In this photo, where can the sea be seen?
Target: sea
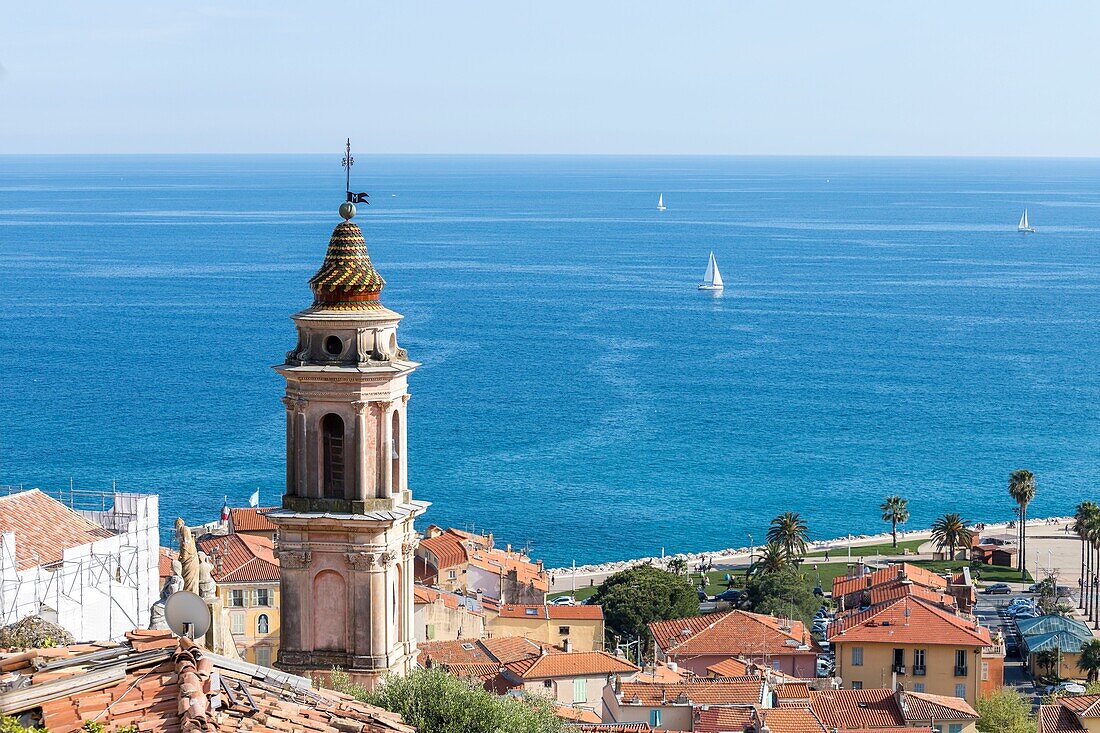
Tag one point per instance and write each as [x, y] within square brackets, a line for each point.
[884, 329]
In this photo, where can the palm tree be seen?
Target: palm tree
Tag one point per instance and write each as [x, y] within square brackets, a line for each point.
[1021, 487]
[1089, 660]
[1047, 659]
[773, 558]
[1085, 518]
[789, 531]
[895, 510]
[951, 530]
[677, 566]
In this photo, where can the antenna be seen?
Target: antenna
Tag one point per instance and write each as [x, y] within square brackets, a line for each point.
[187, 614]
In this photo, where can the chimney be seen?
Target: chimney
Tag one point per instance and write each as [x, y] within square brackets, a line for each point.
[538, 563]
[673, 666]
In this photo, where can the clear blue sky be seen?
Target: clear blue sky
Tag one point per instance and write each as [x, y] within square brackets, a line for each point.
[921, 78]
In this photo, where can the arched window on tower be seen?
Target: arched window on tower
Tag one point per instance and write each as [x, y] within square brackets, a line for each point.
[332, 456]
[395, 445]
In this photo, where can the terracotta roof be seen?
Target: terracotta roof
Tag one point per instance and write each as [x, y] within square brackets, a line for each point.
[778, 720]
[724, 691]
[910, 620]
[576, 715]
[1058, 718]
[448, 550]
[924, 706]
[855, 709]
[552, 612]
[733, 633]
[729, 668]
[164, 562]
[162, 683]
[662, 673]
[250, 519]
[616, 728]
[843, 586]
[892, 591]
[347, 280]
[512, 648]
[44, 528]
[241, 558]
[570, 664]
[724, 719]
[497, 652]
[786, 692]
[502, 562]
[1087, 706]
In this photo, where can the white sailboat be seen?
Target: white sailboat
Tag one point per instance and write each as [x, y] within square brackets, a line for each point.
[713, 279]
[661, 202]
[1024, 226]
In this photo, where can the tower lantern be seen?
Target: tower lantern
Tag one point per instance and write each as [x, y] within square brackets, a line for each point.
[345, 528]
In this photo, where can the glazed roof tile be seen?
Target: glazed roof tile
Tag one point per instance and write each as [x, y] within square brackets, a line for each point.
[347, 280]
[909, 620]
[44, 528]
[733, 633]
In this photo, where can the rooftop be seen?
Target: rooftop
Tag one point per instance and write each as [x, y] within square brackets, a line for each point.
[843, 586]
[552, 612]
[44, 528]
[570, 664]
[241, 558]
[163, 683]
[724, 691]
[250, 519]
[733, 633]
[778, 720]
[909, 620]
[347, 280]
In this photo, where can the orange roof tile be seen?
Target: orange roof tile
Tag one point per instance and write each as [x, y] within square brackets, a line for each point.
[699, 691]
[899, 589]
[855, 709]
[1058, 718]
[44, 528]
[729, 668]
[843, 586]
[570, 664]
[552, 612]
[786, 692]
[250, 519]
[1087, 706]
[736, 720]
[448, 549]
[576, 715]
[423, 594]
[733, 633]
[241, 558]
[925, 706]
[911, 620]
[662, 673]
[501, 562]
[164, 562]
[724, 719]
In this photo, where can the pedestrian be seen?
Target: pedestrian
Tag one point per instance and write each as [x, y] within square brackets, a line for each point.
[826, 556]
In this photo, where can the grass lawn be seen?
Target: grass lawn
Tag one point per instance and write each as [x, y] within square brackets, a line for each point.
[989, 573]
[869, 551]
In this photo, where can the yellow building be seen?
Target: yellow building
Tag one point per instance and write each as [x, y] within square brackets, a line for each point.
[925, 646]
[580, 628]
[247, 574]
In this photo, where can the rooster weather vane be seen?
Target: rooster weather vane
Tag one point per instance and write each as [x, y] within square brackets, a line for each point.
[348, 162]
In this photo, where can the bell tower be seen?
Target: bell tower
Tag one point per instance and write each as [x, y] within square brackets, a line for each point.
[345, 528]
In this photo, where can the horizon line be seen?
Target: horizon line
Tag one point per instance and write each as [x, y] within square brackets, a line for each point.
[930, 156]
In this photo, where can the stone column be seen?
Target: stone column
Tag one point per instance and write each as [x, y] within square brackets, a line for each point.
[361, 565]
[385, 485]
[378, 605]
[291, 449]
[300, 449]
[404, 442]
[361, 448]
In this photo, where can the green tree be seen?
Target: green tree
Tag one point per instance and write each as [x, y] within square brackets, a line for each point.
[1021, 487]
[895, 510]
[789, 530]
[1004, 711]
[773, 558]
[1086, 522]
[434, 701]
[632, 599]
[950, 531]
[781, 593]
[677, 566]
[1089, 661]
[1047, 660]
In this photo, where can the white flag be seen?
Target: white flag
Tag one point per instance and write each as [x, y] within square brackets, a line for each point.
[254, 500]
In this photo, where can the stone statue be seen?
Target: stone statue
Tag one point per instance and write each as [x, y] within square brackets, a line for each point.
[172, 584]
[207, 587]
[189, 557]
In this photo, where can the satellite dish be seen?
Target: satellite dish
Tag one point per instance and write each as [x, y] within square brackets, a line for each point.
[187, 614]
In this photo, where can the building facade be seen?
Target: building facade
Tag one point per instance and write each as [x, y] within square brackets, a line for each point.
[345, 527]
[579, 628]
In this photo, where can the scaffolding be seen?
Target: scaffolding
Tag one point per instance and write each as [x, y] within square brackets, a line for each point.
[98, 590]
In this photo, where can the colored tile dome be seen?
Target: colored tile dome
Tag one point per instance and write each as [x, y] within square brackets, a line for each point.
[347, 280]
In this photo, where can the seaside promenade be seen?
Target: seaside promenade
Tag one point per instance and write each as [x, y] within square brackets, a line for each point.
[1050, 547]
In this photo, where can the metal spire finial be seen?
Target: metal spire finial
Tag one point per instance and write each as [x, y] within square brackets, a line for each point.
[347, 209]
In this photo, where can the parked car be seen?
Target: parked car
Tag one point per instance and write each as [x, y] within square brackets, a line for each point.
[1025, 615]
[563, 601]
[730, 596]
[703, 597]
[997, 589]
[825, 667]
[1069, 688]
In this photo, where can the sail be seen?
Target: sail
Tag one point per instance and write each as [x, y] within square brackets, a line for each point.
[1023, 221]
[661, 201]
[715, 278]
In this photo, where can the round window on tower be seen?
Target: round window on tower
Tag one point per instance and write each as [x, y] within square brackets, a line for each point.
[334, 346]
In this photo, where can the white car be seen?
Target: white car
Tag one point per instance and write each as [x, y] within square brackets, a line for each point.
[1070, 688]
[563, 601]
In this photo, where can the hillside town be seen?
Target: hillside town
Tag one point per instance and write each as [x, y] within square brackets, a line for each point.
[319, 608]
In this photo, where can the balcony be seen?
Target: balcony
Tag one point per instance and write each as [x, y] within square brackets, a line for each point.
[961, 671]
[919, 671]
[899, 668]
